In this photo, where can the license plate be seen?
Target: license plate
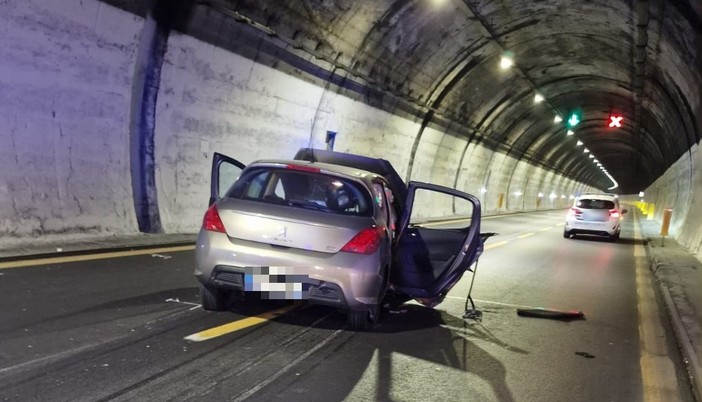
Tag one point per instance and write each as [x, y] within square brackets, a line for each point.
[274, 284]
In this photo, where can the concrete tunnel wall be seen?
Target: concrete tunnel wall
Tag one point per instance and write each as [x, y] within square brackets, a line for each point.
[680, 189]
[66, 73]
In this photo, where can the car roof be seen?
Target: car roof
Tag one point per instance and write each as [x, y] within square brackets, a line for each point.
[598, 196]
[343, 170]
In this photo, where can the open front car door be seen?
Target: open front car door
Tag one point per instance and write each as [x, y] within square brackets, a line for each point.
[225, 171]
[439, 240]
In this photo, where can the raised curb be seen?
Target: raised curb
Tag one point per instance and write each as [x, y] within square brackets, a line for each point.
[688, 352]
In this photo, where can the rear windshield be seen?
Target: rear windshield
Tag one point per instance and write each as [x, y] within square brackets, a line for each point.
[298, 189]
[587, 203]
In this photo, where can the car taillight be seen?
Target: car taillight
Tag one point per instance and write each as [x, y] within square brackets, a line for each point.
[212, 221]
[613, 213]
[575, 211]
[366, 241]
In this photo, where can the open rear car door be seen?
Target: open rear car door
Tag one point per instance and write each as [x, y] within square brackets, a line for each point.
[439, 240]
[225, 171]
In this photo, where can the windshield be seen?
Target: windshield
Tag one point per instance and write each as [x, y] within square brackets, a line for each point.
[307, 190]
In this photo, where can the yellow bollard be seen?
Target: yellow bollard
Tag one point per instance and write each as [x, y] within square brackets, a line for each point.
[500, 200]
[651, 210]
[667, 215]
[665, 226]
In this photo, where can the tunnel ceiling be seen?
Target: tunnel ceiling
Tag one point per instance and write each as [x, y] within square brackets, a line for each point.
[637, 59]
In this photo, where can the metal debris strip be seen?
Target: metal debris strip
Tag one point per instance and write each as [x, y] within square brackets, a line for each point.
[585, 355]
[551, 314]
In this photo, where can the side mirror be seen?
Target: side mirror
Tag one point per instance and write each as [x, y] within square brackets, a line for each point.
[624, 211]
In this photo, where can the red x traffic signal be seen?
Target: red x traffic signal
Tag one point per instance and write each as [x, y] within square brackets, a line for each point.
[615, 120]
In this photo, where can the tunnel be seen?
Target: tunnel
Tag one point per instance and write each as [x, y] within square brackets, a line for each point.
[113, 111]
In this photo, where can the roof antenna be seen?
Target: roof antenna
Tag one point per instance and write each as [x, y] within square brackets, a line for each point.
[310, 145]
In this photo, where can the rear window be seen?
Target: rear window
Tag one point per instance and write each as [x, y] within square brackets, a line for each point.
[299, 189]
[588, 203]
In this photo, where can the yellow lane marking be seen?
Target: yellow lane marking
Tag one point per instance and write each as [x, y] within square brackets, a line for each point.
[657, 370]
[495, 245]
[525, 235]
[560, 225]
[238, 325]
[544, 229]
[90, 257]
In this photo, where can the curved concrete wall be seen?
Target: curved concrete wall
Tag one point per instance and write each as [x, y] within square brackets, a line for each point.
[66, 69]
[680, 189]
[66, 77]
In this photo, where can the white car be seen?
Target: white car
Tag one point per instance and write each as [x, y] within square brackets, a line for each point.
[594, 214]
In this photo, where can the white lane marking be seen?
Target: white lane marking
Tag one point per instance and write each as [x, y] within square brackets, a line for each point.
[165, 257]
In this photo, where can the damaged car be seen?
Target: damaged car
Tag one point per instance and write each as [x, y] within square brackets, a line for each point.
[334, 229]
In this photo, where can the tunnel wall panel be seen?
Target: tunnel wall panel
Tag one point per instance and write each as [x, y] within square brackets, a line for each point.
[65, 87]
[680, 189]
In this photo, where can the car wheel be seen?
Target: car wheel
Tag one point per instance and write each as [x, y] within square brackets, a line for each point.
[361, 320]
[614, 237]
[566, 234]
[212, 299]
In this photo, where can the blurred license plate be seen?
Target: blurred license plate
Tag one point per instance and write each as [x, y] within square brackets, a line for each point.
[277, 285]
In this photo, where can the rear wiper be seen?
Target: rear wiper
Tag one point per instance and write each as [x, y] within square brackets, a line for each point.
[307, 204]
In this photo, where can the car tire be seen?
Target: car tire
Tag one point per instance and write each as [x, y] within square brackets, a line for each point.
[614, 238]
[566, 234]
[360, 320]
[212, 299]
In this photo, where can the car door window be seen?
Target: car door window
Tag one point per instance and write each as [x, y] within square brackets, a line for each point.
[225, 171]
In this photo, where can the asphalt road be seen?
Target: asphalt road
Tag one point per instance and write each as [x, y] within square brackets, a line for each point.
[116, 329]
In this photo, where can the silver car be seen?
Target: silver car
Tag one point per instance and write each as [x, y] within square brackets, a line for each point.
[331, 228]
[594, 214]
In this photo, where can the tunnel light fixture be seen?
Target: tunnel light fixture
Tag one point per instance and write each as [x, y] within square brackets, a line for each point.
[507, 60]
[541, 195]
[570, 132]
[483, 190]
[641, 194]
[517, 193]
[587, 151]
[538, 98]
[596, 161]
[579, 143]
[572, 197]
[552, 196]
[562, 196]
[557, 119]
[591, 156]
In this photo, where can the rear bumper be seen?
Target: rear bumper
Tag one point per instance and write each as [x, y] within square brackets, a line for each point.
[344, 280]
[592, 228]
[313, 290]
